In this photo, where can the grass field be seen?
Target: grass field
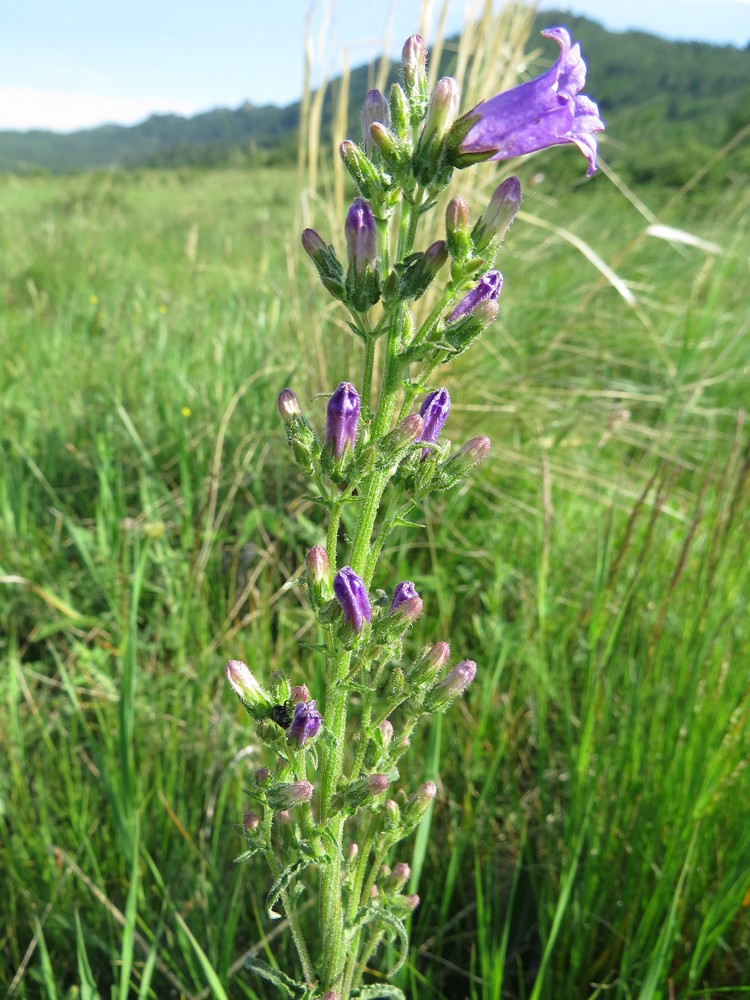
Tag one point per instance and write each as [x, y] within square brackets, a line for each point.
[590, 836]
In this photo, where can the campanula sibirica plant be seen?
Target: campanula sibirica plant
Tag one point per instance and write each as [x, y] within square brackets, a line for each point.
[336, 798]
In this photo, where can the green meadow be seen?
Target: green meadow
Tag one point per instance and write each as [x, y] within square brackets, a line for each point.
[590, 837]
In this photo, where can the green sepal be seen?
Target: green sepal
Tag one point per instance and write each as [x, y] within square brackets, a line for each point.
[375, 914]
[383, 991]
[290, 987]
[282, 883]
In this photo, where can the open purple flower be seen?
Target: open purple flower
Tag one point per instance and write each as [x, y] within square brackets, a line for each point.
[351, 594]
[547, 111]
[487, 288]
[305, 724]
[343, 416]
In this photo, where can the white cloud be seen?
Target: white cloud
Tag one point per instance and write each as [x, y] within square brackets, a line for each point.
[66, 111]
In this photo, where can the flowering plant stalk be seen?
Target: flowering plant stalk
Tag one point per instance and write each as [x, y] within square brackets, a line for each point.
[327, 814]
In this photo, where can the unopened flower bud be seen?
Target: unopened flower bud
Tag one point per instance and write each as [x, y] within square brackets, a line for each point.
[399, 439]
[374, 892]
[385, 730]
[417, 805]
[300, 436]
[318, 575]
[394, 152]
[499, 214]
[248, 690]
[286, 796]
[262, 776]
[434, 412]
[330, 995]
[414, 68]
[392, 815]
[398, 878]
[403, 592]
[351, 594]
[284, 817]
[326, 262]
[364, 789]
[375, 109]
[407, 610]
[300, 692]
[362, 282]
[352, 851]
[429, 665]
[417, 275]
[459, 466]
[400, 111]
[457, 231]
[454, 685]
[342, 419]
[251, 822]
[413, 901]
[430, 158]
[364, 174]
[305, 724]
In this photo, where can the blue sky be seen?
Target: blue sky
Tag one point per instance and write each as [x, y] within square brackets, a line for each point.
[67, 64]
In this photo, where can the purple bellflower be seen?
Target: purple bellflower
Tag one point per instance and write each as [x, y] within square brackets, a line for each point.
[546, 111]
[359, 230]
[487, 289]
[434, 412]
[351, 594]
[343, 416]
[305, 724]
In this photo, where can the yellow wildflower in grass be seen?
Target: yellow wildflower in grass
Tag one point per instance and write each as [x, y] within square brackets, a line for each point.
[186, 411]
[94, 300]
[163, 309]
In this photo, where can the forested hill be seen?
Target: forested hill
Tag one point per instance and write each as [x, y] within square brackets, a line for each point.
[668, 105]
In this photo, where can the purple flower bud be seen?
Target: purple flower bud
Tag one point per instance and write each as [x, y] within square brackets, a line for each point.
[403, 592]
[546, 111]
[499, 214]
[429, 665]
[452, 687]
[359, 230]
[413, 901]
[488, 287]
[285, 796]
[247, 689]
[288, 405]
[414, 62]
[305, 724]
[374, 109]
[459, 466]
[299, 693]
[404, 434]
[262, 775]
[434, 412]
[376, 784]
[316, 561]
[343, 416]
[425, 793]
[284, 817]
[352, 851]
[314, 245]
[386, 733]
[417, 805]
[397, 879]
[351, 594]
[457, 216]
[330, 995]
[250, 821]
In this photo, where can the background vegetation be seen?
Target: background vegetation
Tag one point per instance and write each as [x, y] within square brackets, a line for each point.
[590, 835]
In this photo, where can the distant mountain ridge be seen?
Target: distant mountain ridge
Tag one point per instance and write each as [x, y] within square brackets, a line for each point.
[656, 95]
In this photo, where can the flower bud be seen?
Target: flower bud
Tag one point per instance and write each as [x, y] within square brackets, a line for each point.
[499, 214]
[400, 111]
[286, 796]
[403, 592]
[398, 878]
[262, 776]
[364, 174]
[359, 230]
[352, 851]
[416, 276]
[434, 412]
[392, 816]
[406, 604]
[414, 68]
[284, 817]
[342, 419]
[488, 288]
[385, 731]
[248, 690]
[417, 805]
[454, 685]
[362, 790]
[399, 439]
[430, 158]
[351, 594]
[375, 109]
[330, 995]
[251, 822]
[459, 466]
[318, 575]
[300, 692]
[458, 236]
[300, 436]
[429, 665]
[326, 262]
[305, 724]
[395, 152]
